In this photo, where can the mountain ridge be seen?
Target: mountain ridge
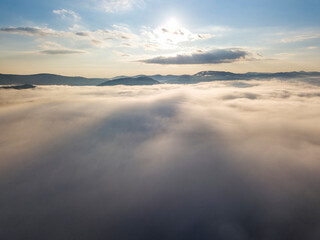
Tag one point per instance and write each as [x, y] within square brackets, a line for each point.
[203, 76]
[131, 81]
[49, 79]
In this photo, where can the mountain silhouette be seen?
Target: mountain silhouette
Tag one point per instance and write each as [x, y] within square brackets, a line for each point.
[131, 81]
[48, 79]
[204, 76]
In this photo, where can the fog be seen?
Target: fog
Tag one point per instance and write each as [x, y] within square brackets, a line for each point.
[223, 160]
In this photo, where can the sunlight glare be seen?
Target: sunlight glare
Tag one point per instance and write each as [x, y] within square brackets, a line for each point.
[172, 24]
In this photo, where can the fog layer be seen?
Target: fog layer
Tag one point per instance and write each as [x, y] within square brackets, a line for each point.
[228, 160]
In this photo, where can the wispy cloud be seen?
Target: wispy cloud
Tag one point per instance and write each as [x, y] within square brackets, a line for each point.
[53, 48]
[211, 57]
[170, 36]
[64, 13]
[115, 6]
[163, 37]
[94, 38]
[120, 32]
[300, 36]
[62, 51]
[33, 31]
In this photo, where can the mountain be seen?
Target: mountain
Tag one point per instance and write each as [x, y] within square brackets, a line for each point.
[131, 81]
[204, 76]
[208, 76]
[49, 79]
[185, 79]
[164, 78]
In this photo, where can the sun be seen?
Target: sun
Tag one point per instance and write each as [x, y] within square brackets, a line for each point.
[171, 33]
[172, 24]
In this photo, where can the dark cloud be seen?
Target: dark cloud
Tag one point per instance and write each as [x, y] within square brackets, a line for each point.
[178, 32]
[62, 52]
[126, 44]
[165, 30]
[124, 37]
[82, 34]
[160, 162]
[201, 36]
[212, 57]
[308, 95]
[251, 96]
[33, 31]
[241, 84]
[96, 42]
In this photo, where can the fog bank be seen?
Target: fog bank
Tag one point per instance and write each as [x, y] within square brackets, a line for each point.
[227, 160]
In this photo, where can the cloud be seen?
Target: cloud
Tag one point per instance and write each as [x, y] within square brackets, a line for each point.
[53, 48]
[33, 31]
[94, 38]
[115, 6]
[83, 34]
[67, 14]
[251, 96]
[50, 45]
[211, 57]
[167, 161]
[117, 36]
[120, 32]
[169, 36]
[300, 38]
[62, 51]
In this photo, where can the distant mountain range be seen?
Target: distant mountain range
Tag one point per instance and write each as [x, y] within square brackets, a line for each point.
[205, 76]
[144, 80]
[208, 76]
[49, 79]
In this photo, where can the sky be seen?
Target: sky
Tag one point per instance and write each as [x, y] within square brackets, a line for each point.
[107, 38]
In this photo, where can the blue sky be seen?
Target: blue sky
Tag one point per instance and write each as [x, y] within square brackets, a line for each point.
[105, 38]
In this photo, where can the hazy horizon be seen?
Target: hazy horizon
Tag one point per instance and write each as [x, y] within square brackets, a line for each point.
[141, 74]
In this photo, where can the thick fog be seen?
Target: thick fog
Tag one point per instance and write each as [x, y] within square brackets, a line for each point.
[225, 160]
